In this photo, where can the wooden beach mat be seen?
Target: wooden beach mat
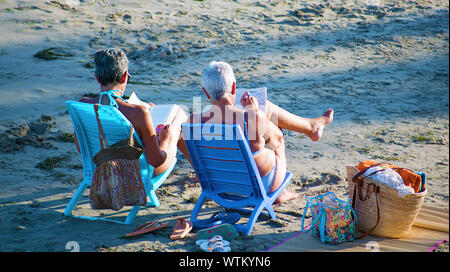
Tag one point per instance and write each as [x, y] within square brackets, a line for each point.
[431, 226]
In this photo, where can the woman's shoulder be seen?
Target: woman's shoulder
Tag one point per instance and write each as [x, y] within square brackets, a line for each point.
[90, 100]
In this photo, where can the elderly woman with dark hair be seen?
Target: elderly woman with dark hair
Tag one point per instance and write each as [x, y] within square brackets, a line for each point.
[111, 72]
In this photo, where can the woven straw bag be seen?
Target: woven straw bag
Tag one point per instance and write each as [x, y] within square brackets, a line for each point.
[379, 208]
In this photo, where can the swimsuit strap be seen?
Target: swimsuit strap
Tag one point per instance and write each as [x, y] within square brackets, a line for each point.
[111, 95]
[246, 134]
[245, 126]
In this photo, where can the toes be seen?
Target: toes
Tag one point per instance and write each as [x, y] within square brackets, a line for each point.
[329, 112]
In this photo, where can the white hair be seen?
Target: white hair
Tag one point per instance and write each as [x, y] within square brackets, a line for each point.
[218, 79]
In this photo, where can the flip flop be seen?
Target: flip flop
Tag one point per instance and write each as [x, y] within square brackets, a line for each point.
[215, 244]
[217, 218]
[227, 231]
[212, 240]
[180, 229]
[147, 227]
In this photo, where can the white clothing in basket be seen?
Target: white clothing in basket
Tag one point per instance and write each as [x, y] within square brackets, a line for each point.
[390, 178]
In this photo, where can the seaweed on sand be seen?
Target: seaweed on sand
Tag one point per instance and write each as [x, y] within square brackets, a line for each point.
[53, 53]
[51, 162]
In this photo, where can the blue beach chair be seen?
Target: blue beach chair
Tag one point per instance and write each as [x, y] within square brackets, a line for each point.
[116, 127]
[227, 171]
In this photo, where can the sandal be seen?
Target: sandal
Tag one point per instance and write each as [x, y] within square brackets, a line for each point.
[180, 229]
[227, 231]
[213, 240]
[215, 244]
[147, 227]
[217, 218]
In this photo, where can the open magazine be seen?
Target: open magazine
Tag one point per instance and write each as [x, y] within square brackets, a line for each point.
[259, 93]
[161, 114]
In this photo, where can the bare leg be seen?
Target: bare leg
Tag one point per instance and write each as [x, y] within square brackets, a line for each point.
[183, 148]
[175, 134]
[280, 174]
[312, 127]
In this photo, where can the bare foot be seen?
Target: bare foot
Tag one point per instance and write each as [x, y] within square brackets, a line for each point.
[286, 196]
[320, 123]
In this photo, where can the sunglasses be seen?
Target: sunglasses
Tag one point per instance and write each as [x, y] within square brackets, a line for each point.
[128, 77]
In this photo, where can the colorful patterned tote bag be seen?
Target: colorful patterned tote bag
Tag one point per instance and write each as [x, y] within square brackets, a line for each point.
[333, 220]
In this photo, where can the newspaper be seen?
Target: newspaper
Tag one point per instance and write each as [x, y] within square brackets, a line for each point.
[259, 93]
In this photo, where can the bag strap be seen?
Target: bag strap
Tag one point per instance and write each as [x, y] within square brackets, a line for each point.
[376, 189]
[131, 139]
[319, 215]
[360, 173]
[303, 218]
[101, 133]
[353, 213]
[323, 217]
[359, 181]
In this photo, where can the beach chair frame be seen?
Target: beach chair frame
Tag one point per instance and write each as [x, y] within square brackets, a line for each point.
[116, 127]
[227, 172]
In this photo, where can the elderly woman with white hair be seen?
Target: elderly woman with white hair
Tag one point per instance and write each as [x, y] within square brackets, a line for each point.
[262, 129]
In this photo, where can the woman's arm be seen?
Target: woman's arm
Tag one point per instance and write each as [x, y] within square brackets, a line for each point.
[261, 131]
[155, 151]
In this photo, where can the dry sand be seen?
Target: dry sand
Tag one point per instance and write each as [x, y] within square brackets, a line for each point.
[384, 69]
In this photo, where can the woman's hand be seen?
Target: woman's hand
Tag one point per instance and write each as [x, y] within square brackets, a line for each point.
[248, 101]
[163, 134]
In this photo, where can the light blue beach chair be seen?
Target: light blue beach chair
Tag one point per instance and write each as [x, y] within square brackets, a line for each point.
[116, 127]
[227, 171]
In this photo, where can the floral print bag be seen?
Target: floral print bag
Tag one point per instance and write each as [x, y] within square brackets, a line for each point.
[333, 220]
[117, 180]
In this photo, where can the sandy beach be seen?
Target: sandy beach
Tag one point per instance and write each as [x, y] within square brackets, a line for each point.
[383, 66]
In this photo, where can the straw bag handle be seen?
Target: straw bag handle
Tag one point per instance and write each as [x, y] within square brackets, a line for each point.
[376, 189]
[357, 176]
